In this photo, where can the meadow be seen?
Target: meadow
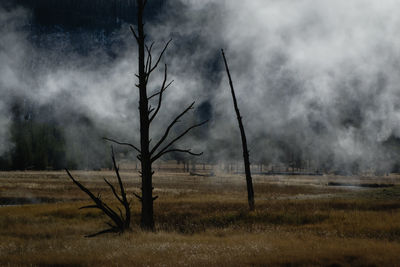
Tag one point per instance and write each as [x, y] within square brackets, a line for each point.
[299, 221]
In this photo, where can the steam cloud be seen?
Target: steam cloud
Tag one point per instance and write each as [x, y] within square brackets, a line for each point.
[317, 78]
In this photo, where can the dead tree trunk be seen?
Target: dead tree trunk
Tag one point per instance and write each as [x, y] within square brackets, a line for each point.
[146, 154]
[147, 221]
[249, 182]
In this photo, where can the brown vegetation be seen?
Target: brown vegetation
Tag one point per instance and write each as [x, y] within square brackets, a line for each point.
[203, 220]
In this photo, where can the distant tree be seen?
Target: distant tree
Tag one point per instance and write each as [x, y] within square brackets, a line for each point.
[249, 181]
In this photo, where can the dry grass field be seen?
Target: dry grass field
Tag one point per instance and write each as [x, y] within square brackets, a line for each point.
[299, 221]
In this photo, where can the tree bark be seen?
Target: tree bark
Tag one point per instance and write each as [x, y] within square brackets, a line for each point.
[249, 181]
[147, 220]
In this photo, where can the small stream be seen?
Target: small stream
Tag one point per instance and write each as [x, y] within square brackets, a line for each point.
[361, 185]
[17, 201]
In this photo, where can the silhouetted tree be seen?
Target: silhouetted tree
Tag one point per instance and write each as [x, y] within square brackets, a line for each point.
[147, 154]
[249, 182]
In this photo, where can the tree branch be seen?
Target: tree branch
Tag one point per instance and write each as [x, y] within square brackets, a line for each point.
[134, 33]
[138, 197]
[123, 144]
[152, 68]
[111, 230]
[114, 191]
[176, 139]
[148, 61]
[170, 127]
[89, 207]
[99, 203]
[163, 88]
[177, 150]
[124, 201]
[121, 223]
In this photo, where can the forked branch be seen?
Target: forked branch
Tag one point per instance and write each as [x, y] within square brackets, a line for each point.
[149, 67]
[149, 59]
[152, 68]
[160, 93]
[167, 150]
[166, 133]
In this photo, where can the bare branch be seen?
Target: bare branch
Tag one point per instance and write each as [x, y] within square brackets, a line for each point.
[99, 203]
[160, 94]
[177, 138]
[120, 212]
[165, 88]
[170, 127]
[149, 59]
[110, 224]
[122, 143]
[89, 207]
[139, 197]
[134, 33]
[159, 58]
[124, 200]
[177, 150]
[149, 48]
[111, 230]
[113, 190]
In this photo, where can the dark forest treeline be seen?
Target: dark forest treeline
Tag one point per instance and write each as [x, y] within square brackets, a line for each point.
[87, 13]
[34, 144]
[38, 142]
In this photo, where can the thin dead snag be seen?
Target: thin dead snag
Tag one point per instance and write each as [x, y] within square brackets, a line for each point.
[249, 181]
[147, 154]
[120, 222]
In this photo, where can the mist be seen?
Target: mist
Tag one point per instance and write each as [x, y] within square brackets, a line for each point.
[314, 79]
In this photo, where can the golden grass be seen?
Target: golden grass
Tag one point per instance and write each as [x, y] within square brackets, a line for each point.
[202, 221]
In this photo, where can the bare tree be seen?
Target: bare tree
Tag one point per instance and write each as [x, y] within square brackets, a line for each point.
[120, 222]
[147, 154]
[249, 181]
